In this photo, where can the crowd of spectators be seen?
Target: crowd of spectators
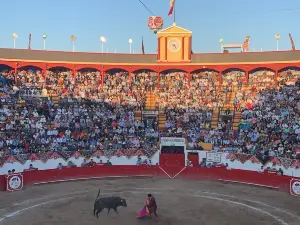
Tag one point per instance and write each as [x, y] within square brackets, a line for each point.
[269, 126]
[93, 112]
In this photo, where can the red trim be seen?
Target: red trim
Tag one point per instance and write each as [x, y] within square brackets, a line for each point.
[182, 52]
[154, 67]
[166, 49]
[102, 77]
[158, 48]
[190, 48]
[247, 78]
[196, 173]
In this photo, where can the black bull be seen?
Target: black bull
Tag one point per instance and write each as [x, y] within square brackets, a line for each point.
[108, 203]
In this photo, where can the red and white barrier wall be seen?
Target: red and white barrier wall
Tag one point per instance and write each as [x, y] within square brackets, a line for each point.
[195, 173]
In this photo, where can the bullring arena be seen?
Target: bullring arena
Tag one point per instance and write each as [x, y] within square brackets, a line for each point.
[214, 137]
[179, 201]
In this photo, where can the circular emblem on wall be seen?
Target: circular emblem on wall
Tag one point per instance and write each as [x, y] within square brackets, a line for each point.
[296, 187]
[15, 182]
[174, 45]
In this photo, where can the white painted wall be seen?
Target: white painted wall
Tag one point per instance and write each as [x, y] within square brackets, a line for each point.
[248, 165]
[53, 163]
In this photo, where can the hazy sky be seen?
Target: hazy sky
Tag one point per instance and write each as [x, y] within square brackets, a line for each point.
[119, 20]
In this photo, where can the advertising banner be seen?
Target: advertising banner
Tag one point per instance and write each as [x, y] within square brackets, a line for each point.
[212, 157]
[295, 187]
[172, 141]
[14, 182]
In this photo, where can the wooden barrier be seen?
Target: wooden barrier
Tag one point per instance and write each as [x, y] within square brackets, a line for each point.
[193, 173]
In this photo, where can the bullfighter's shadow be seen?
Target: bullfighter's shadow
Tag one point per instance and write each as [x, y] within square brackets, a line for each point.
[146, 218]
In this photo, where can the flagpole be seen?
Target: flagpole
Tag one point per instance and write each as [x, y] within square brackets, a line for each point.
[174, 12]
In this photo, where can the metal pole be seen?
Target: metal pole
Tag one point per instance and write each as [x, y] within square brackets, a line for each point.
[102, 46]
[221, 48]
[277, 44]
[14, 43]
[174, 12]
[44, 44]
[73, 43]
[129, 48]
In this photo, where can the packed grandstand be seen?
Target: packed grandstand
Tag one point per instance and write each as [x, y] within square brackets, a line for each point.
[59, 111]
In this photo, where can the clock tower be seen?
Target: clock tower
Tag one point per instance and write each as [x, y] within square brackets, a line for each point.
[174, 45]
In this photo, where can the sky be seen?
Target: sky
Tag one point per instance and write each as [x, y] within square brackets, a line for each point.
[120, 20]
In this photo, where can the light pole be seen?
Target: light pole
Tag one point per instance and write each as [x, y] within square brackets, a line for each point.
[277, 36]
[102, 40]
[73, 39]
[15, 36]
[130, 43]
[44, 38]
[221, 43]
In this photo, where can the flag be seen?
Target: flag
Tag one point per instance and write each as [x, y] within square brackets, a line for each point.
[29, 42]
[292, 42]
[172, 4]
[143, 48]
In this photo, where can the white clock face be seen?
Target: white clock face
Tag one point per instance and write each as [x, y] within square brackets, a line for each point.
[174, 45]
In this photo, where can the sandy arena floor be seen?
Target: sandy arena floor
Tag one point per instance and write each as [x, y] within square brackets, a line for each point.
[179, 202]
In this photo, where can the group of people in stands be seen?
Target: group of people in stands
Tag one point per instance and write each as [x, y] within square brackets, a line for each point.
[63, 111]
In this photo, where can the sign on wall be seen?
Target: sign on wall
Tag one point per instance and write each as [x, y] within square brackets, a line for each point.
[295, 187]
[172, 141]
[14, 182]
[212, 157]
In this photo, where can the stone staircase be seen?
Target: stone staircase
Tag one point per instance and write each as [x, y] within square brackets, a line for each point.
[55, 99]
[236, 120]
[214, 119]
[151, 100]
[138, 115]
[161, 120]
[229, 101]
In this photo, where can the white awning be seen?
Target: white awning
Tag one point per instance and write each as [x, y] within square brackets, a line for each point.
[232, 46]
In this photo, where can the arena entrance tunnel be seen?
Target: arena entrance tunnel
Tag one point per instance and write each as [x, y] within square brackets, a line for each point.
[160, 171]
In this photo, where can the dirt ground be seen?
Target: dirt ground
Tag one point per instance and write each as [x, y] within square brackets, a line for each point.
[179, 202]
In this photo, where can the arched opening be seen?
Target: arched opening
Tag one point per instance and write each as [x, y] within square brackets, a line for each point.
[205, 79]
[30, 76]
[29, 67]
[116, 79]
[88, 78]
[60, 80]
[288, 75]
[173, 86]
[117, 87]
[5, 68]
[234, 78]
[173, 80]
[144, 79]
[262, 78]
[7, 75]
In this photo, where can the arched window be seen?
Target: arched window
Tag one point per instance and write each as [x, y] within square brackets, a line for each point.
[262, 78]
[30, 76]
[234, 78]
[144, 80]
[288, 75]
